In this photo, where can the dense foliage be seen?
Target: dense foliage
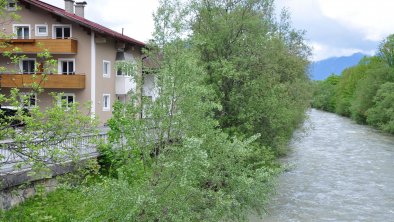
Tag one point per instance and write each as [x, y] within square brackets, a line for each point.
[232, 88]
[324, 94]
[363, 92]
[256, 67]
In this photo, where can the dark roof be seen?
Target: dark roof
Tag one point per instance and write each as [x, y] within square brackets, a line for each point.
[82, 21]
[152, 61]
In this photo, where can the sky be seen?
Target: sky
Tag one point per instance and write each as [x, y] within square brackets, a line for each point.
[342, 27]
[333, 27]
[135, 16]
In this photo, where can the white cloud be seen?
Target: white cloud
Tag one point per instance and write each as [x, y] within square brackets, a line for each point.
[334, 27]
[342, 27]
[373, 18]
[301, 10]
[135, 16]
[323, 51]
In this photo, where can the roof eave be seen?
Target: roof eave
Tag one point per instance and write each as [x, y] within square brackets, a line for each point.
[61, 14]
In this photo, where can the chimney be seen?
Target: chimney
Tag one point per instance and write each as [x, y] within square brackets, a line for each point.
[80, 8]
[69, 6]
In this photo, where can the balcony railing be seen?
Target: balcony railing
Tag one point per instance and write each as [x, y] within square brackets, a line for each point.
[124, 84]
[48, 81]
[54, 46]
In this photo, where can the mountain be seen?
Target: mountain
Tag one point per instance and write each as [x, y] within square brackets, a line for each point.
[320, 70]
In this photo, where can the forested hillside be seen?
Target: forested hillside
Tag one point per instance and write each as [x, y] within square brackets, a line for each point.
[364, 92]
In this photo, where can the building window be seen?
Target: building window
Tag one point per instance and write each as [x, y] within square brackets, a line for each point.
[61, 31]
[67, 66]
[119, 72]
[42, 30]
[11, 5]
[22, 31]
[28, 66]
[28, 100]
[122, 98]
[106, 102]
[66, 100]
[106, 69]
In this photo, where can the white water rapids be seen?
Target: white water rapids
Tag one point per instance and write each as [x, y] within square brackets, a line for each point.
[341, 172]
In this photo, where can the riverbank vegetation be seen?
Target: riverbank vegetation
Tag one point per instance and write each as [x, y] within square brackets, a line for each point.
[364, 92]
[232, 87]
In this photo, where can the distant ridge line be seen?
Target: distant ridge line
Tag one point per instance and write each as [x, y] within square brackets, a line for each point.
[320, 70]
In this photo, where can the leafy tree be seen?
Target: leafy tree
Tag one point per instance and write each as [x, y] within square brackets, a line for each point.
[347, 85]
[381, 115]
[256, 66]
[377, 73]
[192, 170]
[386, 50]
[6, 17]
[324, 94]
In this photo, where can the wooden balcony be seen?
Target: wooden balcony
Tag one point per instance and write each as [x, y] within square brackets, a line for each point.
[49, 81]
[55, 46]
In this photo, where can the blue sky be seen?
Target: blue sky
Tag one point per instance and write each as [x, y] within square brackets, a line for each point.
[334, 27]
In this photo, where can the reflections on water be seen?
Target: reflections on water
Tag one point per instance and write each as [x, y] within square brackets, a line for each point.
[342, 172]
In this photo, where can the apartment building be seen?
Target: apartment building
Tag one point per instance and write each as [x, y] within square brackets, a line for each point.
[86, 54]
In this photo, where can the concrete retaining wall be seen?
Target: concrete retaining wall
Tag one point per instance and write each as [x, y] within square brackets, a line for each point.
[15, 187]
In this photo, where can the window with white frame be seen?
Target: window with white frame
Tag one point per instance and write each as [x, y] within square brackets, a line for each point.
[106, 102]
[28, 66]
[41, 30]
[61, 31]
[66, 100]
[28, 100]
[66, 66]
[22, 31]
[106, 69]
[11, 5]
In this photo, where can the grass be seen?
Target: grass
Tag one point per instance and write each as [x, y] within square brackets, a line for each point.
[63, 204]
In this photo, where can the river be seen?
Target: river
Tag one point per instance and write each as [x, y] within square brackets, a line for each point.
[340, 171]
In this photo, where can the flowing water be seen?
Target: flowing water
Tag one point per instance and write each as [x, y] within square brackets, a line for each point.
[341, 172]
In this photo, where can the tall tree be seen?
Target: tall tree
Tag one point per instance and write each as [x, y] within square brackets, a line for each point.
[347, 86]
[191, 171]
[256, 65]
[386, 50]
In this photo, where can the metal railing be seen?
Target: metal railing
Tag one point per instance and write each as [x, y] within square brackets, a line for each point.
[17, 153]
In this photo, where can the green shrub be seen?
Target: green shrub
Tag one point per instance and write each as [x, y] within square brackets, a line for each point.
[324, 94]
[381, 115]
